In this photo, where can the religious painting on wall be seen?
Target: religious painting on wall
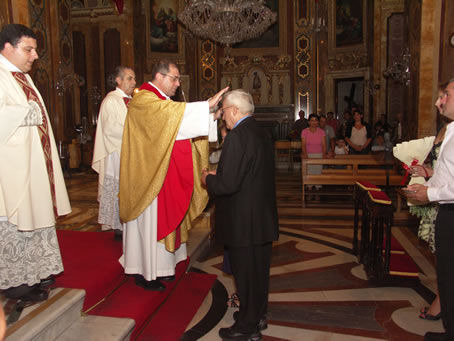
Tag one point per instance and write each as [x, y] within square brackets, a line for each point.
[163, 26]
[273, 39]
[347, 21]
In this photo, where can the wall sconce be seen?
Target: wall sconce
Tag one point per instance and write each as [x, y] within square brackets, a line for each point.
[399, 71]
[370, 87]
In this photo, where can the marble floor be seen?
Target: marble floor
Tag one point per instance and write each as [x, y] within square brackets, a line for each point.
[318, 290]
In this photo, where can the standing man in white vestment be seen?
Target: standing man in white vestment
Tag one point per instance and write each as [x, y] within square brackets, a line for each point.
[160, 188]
[106, 154]
[32, 188]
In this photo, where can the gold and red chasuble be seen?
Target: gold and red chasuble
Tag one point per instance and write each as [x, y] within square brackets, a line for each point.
[43, 132]
[176, 192]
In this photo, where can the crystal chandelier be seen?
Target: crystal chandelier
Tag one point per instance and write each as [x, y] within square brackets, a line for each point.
[66, 79]
[227, 21]
[399, 71]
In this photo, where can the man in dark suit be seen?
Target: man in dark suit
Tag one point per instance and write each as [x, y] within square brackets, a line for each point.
[246, 213]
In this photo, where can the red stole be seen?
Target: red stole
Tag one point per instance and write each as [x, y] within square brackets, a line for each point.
[176, 192]
[43, 133]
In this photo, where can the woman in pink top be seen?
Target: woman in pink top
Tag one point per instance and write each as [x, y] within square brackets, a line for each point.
[313, 143]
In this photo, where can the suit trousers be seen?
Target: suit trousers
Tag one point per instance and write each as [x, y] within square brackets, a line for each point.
[251, 271]
[444, 243]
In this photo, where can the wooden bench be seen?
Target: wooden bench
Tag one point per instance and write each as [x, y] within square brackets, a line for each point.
[370, 168]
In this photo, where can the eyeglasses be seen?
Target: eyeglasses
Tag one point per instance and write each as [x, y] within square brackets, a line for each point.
[223, 109]
[174, 78]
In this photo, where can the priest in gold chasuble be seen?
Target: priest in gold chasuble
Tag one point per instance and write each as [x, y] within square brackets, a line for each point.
[160, 166]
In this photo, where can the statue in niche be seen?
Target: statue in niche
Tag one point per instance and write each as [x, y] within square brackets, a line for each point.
[256, 82]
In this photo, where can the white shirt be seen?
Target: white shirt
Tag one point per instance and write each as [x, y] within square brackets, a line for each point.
[359, 136]
[441, 184]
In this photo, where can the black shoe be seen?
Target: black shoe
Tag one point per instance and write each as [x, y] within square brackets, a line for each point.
[36, 295]
[167, 278]
[47, 281]
[233, 334]
[19, 291]
[149, 285]
[263, 324]
[434, 336]
[118, 235]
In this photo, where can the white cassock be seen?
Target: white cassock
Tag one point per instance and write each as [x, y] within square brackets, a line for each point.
[29, 248]
[106, 157]
[143, 254]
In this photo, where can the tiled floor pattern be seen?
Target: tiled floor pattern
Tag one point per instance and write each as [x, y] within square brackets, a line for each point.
[318, 291]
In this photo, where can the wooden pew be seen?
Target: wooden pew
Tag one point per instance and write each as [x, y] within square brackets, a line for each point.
[357, 168]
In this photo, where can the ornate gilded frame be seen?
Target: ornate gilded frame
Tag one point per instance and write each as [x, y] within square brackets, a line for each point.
[155, 55]
[281, 49]
[332, 43]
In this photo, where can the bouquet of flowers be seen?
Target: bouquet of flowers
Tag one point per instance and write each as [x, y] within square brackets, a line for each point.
[412, 153]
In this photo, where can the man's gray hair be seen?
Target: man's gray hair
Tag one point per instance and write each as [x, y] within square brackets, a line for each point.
[120, 70]
[240, 99]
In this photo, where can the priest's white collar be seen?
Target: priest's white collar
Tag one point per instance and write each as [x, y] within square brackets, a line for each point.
[122, 92]
[163, 94]
[8, 65]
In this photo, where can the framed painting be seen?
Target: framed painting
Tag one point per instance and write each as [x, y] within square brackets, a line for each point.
[347, 29]
[164, 34]
[273, 41]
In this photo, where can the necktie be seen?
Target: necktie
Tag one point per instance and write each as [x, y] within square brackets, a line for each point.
[126, 99]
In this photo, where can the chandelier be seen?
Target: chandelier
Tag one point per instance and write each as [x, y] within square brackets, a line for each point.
[227, 21]
[399, 71]
[66, 79]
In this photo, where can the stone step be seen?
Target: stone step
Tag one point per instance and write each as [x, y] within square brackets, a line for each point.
[99, 328]
[60, 318]
[49, 319]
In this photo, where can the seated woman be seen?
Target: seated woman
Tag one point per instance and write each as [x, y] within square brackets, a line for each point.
[358, 136]
[313, 143]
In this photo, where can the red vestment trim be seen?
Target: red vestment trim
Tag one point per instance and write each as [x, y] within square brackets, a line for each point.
[43, 131]
[176, 192]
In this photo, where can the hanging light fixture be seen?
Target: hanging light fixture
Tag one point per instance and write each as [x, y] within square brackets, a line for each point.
[227, 21]
[399, 71]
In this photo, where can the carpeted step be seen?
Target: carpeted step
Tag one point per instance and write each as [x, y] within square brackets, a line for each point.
[395, 246]
[171, 320]
[136, 303]
[90, 261]
[403, 265]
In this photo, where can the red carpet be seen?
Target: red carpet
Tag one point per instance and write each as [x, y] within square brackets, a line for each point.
[91, 263]
[172, 319]
[400, 263]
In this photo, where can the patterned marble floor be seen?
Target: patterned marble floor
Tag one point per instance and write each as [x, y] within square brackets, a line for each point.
[318, 291]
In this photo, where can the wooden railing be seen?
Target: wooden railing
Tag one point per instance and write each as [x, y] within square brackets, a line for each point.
[350, 168]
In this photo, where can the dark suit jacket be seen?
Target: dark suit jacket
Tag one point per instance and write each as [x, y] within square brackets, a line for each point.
[244, 189]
